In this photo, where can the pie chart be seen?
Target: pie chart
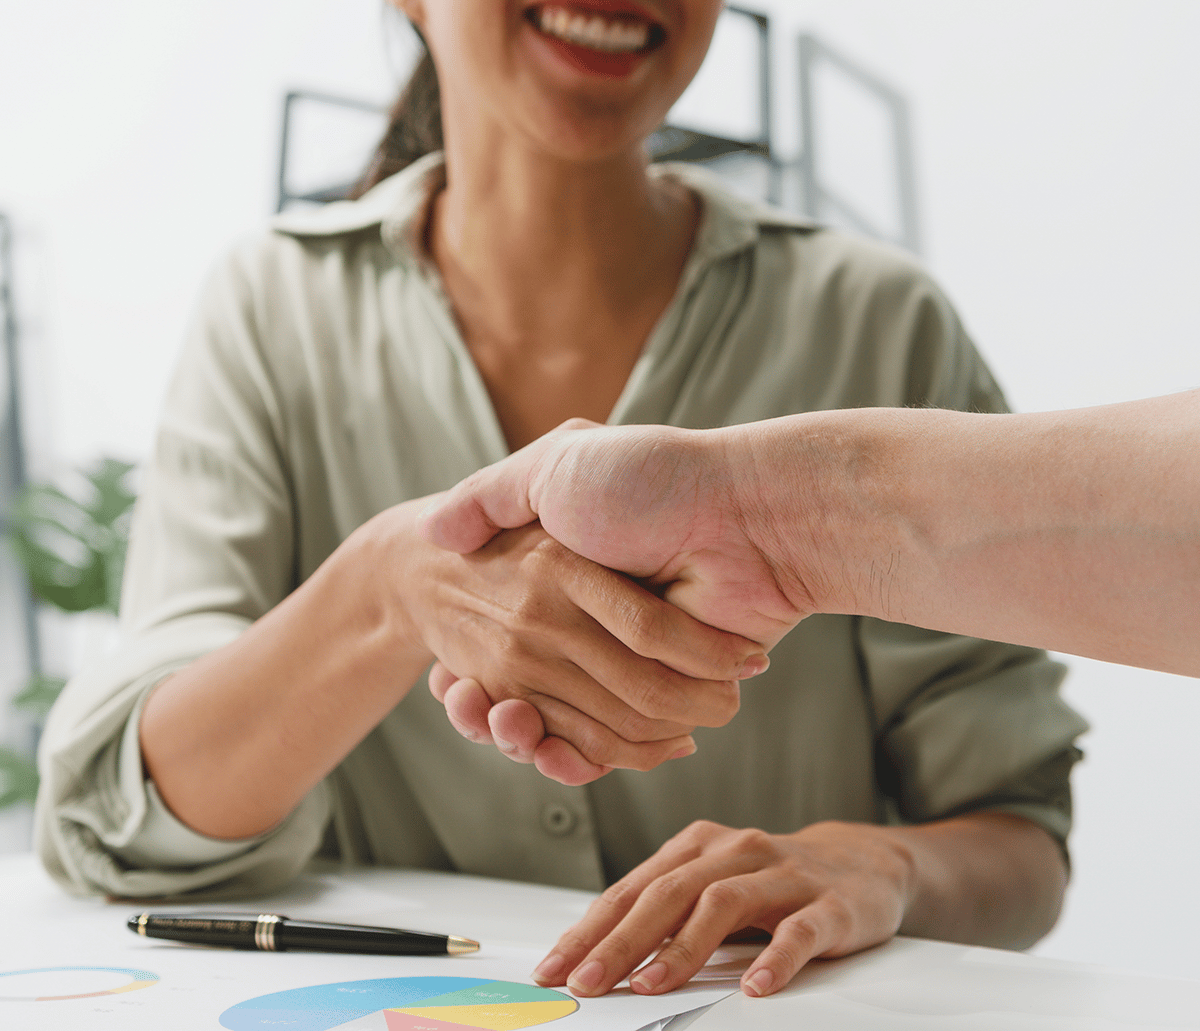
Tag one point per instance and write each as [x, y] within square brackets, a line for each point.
[403, 1004]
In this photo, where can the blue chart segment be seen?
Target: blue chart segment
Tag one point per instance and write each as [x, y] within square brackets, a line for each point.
[403, 1004]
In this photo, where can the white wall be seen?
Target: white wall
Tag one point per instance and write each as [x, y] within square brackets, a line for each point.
[1058, 148]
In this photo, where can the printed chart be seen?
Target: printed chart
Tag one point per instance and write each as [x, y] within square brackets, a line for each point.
[403, 1004]
[53, 984]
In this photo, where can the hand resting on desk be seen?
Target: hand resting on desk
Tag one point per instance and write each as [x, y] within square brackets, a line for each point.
[827, 890]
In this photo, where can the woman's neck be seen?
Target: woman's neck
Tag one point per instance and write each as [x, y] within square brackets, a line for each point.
[530, 245]
[557, 273]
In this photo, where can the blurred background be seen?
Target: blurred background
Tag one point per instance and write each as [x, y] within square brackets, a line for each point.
[1040, 157]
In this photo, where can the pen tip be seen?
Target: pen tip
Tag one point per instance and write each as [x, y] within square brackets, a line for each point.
[456, 946]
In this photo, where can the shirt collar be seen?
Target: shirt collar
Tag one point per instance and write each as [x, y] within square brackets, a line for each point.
[730, 222]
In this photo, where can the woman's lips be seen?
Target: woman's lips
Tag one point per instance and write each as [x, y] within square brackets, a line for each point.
[608, 41]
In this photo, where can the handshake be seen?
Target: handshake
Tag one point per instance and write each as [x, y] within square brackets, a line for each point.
[710, 583]
[1074, 530]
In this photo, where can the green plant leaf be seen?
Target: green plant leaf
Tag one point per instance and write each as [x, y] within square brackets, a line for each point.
[73, 549]
[113, 496]
[18, 778]
[39, 694]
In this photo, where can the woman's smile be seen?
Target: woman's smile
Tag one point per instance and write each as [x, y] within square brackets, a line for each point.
[604, 37]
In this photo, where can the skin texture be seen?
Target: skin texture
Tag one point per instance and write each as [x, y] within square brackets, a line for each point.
[558, 253]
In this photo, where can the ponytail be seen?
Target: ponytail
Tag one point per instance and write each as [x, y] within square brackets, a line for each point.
[414, 127]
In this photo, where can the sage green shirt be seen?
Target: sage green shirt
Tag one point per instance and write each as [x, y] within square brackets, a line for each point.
[324, 380]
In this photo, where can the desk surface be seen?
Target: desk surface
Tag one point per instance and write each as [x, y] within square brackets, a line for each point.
[906, 984]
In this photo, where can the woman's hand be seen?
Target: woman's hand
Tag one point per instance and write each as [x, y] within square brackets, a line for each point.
[535, 623]
[828, 890]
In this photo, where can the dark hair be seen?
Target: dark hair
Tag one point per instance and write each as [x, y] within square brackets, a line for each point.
[414, 126]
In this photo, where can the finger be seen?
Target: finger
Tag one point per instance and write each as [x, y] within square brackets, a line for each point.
[618, 899]
[659, 631]
[554, 648]
[822, 927]
[517, 728]
[467, 706]
[440, 680]
[561, 761]
[668, 904]
[467, 516]
[724, 906]
[599, 744]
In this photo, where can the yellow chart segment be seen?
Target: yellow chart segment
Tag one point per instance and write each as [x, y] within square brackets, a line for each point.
[511, 1016]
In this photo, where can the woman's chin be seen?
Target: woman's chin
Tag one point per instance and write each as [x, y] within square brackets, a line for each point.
[580, 114]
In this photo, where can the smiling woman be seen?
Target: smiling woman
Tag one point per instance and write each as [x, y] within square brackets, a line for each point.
[280, 605]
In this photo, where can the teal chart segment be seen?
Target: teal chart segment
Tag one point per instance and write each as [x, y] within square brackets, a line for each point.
[403, 1004]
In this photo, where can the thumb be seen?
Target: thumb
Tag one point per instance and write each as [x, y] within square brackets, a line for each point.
[469, 515]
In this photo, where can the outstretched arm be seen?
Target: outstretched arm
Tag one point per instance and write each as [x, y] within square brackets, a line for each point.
[1076, 530]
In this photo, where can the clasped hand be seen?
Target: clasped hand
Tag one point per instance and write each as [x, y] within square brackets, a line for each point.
[618, 676]
[652, 501]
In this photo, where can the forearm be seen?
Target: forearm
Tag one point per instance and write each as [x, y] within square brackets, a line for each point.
[1077, 531]
[234, 741]
[981, 879]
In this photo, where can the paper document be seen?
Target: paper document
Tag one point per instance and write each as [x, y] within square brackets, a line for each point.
[71, 964]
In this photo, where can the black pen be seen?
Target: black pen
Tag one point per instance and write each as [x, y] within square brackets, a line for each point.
[273, 933]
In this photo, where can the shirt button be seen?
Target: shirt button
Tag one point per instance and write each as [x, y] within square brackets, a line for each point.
[558, 820]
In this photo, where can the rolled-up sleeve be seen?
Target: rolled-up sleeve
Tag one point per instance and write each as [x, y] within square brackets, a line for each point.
[965, 725]
[211, 550]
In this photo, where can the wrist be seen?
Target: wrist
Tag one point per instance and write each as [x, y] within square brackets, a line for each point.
[380, 558]
[794, 494]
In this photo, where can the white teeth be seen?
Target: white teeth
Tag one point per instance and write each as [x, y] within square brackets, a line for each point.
[595, 32]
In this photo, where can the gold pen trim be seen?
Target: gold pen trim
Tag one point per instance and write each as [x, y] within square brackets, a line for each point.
[141, 924]
[456, 946]
[264, 932]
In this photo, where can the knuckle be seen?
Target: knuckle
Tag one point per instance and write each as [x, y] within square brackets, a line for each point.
[685, 952]
[530, 611]
[648, 698]
[576, 422]
[728, 896]
[797, 937]
[616, 898]
[645, 624]
[596, 746]
[700, 832]
[623, 943]
[840, 915]
[754, 842]
[664, 891]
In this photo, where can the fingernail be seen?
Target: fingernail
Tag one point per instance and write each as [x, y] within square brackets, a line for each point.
[587, 977]
[504, 746]
[549, 969]
[755, 665]
[760, 981]
[685, 751]
[650, 978]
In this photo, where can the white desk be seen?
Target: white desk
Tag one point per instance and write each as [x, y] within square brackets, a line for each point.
[905, 985]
